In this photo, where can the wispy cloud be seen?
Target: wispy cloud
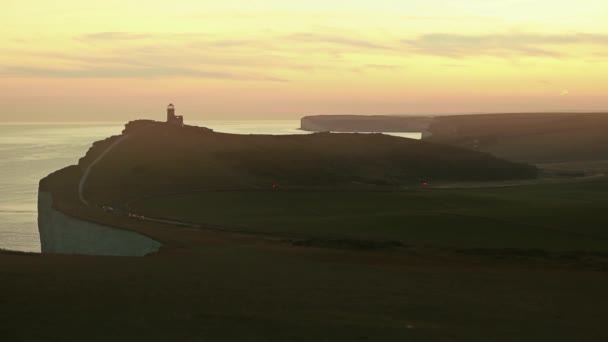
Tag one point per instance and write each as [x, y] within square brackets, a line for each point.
[451, 18]
[382, 67]
[113, 36]
[334, 40]
[130, 72]
[502, 44]
[264, 56]
[133, 37]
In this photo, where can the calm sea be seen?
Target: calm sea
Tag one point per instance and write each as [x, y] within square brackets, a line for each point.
[29, 152]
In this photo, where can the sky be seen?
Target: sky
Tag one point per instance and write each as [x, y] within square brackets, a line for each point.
[111, 60]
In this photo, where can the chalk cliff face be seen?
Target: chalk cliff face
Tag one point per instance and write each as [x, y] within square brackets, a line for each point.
[62, 234]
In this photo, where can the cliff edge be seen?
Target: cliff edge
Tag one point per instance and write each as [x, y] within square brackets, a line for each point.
[151, 158]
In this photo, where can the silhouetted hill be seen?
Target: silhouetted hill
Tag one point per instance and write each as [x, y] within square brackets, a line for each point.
[523, 137]
[157, 157]
[536, 137]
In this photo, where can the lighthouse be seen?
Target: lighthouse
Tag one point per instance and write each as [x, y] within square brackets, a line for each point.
[173, 119]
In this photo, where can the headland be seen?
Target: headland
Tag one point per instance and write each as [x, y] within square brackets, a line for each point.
[320, 236]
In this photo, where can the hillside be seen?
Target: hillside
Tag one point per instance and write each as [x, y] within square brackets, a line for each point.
[312, 261]
[522, 137]
[160, 158]
[535, 138]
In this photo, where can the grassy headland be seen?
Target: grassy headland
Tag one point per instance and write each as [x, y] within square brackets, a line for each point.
[347, 247]
[158, 158]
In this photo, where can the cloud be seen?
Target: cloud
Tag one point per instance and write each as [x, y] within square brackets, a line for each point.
[230, 43]
[132, 37]
[503, 44]
[130, 72]
[382, 67]
[453, 18]
[258, 57]
[334, 40]
[112, 36]
[148, 60]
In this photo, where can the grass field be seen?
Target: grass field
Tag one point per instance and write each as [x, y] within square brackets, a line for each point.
[208, 285]
[552, 217]
[524, 263]
[236, 293]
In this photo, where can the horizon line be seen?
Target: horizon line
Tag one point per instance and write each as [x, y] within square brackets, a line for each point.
[92, 122]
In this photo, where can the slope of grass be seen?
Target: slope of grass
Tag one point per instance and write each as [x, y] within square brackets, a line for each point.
[524, 137]
[530, 137]
[228, 293]
[556, 217]
[217, 286]
[164, 158]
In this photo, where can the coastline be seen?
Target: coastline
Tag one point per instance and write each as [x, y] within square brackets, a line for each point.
[61, 233]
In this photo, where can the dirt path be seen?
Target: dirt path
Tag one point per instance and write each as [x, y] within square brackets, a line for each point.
[87, 172]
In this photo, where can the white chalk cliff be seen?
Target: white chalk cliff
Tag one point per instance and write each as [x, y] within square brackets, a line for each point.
[63, 234]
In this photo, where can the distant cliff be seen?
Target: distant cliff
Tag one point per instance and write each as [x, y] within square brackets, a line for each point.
[363, 123]
[521, 137]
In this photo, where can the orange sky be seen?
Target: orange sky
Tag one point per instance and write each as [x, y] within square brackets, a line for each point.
[116, 60]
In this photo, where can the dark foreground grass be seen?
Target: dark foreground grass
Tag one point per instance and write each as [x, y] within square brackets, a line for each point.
[207, 285]
[217, 286]
[232, 293]
[552, 217]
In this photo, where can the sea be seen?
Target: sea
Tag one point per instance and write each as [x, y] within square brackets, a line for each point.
[31, 151]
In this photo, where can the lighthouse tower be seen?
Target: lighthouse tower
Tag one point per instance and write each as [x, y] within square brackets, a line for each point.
[173, 119]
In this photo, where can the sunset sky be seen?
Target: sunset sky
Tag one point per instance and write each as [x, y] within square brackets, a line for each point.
[274, 59]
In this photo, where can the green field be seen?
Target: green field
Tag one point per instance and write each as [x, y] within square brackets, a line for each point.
[552, 217]
[236, 293]
[211, 285]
